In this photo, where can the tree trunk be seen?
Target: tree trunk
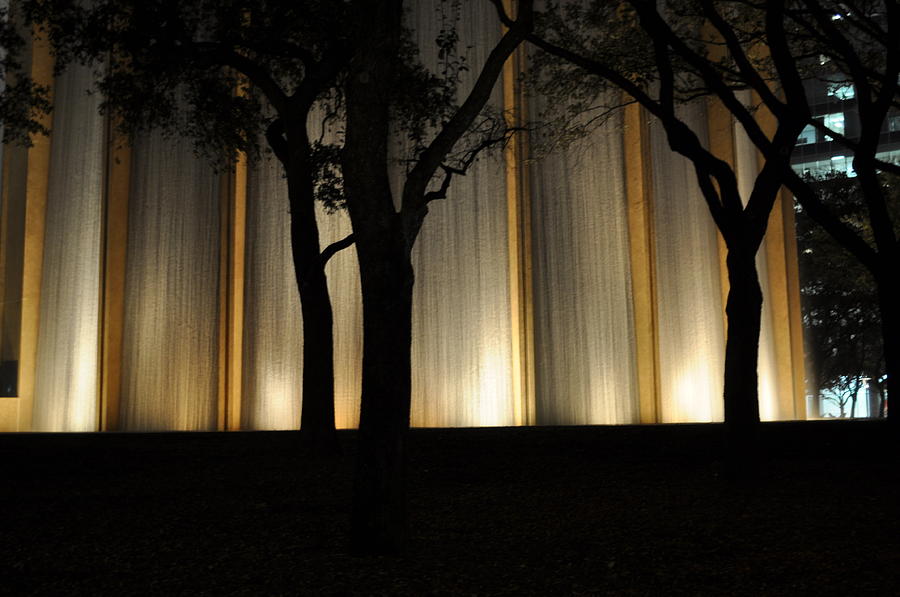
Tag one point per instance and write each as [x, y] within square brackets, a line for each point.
[888, 301]
[379, 497]
[317, 416]
[743, 313]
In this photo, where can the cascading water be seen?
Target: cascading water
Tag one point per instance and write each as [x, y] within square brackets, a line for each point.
[461, 350]
[689, 292]
[462, 322]
[584, 325]
[170, 338]
[67, 374]
[273, 329]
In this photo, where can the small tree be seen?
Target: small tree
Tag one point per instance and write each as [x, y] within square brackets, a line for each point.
[840, 301]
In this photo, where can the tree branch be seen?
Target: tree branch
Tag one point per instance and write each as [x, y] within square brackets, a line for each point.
[432, 157]
[831, 223]
[253, 71]
[335, 247]
[276, 140]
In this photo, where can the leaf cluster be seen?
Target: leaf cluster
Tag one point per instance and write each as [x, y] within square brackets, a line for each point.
[22, 101]
[178, 65]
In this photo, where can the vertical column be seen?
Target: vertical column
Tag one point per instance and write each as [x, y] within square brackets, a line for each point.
[36, 179]
[639, 193]
[10, 321]
[118, 186]
[233, 218]
[519, 230]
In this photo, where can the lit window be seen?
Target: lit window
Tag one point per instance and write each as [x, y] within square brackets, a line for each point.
[807, 135]
[835, 122]
[841, 91]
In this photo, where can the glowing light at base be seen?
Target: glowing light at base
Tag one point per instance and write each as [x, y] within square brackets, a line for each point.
[693, 398]
[689, 294]
[67, 373]
[585, 366]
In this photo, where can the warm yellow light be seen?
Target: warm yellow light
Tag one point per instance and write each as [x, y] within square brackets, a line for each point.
[693, 399]
[494, 408]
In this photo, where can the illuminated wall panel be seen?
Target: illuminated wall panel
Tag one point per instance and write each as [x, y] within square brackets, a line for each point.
[171, 290]
[66, 386]
[461, 356]
[273, 329]
[689, 295]
[584, 326]
[468, 325]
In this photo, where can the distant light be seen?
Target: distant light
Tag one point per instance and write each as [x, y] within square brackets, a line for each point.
[838, 157]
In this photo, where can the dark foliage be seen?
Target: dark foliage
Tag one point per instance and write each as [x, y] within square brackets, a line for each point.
[22, 101]
[840, 300]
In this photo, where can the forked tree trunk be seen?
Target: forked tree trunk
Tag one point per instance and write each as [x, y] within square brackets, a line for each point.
[317, 415]
[379, 497]
[743, 312]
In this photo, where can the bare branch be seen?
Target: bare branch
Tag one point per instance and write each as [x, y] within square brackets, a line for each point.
[441, 193]
[432, 157]
[335, 247]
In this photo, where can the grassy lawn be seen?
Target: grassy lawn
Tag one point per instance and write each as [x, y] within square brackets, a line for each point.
[534, 511]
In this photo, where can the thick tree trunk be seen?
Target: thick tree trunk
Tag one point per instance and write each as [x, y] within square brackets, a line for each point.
[888, 301]
[317, 415]
[743, 313]
[379, 497]
[378, 517]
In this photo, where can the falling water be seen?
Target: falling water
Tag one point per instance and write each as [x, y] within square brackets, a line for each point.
[273, 331]
[66, 386]
[272, 370]
[169, 369]
[461, 315]
[584, 326]
[689, 295]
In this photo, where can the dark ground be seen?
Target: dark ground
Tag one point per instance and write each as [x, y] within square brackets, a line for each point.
[533, 511]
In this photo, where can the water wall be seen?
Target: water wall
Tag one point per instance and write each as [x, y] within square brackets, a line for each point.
[584, 326]
[271, 395]
[461, 356]
[584, 345]
[689, 296]
[67, 375]
[170, 338]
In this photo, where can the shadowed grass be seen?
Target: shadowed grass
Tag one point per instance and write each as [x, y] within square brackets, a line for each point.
[534, 511]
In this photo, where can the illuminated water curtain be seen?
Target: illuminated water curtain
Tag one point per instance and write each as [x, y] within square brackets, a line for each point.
[536, 299]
